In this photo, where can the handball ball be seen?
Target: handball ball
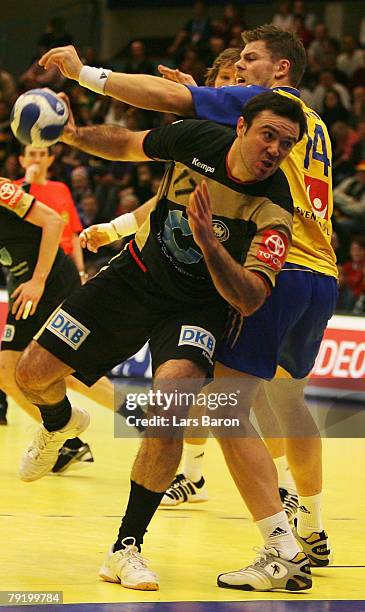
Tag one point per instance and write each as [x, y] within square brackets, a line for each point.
[38, 117]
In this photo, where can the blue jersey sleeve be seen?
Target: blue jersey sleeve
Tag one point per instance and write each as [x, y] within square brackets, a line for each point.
[222, 104]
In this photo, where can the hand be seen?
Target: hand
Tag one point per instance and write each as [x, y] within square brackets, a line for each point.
[26, 298]
[200, 217]
[174, 74]
[66, 60]
[31, 173]
[70, 129]
[96, 236]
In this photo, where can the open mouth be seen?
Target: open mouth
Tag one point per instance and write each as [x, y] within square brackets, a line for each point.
[240, 80]
[267, 164]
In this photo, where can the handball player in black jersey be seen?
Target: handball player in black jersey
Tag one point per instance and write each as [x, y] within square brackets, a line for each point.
[172, 283]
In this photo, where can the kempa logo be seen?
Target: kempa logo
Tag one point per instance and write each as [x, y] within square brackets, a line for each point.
[200, 164]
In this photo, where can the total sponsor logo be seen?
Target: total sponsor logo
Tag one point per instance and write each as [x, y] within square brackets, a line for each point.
[273, 249]
[197, 336]
[10, 194]
[68, 329]
[202, 166]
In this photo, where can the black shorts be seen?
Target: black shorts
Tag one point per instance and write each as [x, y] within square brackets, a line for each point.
[18, 334]
[111, 317]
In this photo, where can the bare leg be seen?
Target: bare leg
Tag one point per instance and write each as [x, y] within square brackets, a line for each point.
[248, 458]
[8, 362]
[41, 375]
[303, 443]
[151, 469]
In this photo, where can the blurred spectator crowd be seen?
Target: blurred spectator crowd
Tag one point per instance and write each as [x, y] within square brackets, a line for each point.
[333, 84]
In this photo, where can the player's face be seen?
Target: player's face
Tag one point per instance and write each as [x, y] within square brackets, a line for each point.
[266, 143]
[256, 66]
[39, 157]
[226, 76]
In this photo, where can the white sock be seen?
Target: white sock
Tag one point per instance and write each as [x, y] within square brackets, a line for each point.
[276, 533]
[284, 474]
[193, 461]
[309, 515]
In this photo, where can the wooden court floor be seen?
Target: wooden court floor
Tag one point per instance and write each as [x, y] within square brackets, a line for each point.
[54, 532]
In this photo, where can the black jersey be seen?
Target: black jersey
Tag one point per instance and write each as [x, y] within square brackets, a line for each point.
[19, 240]
[252, 220]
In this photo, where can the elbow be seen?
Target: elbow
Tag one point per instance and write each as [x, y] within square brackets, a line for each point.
[248, 305]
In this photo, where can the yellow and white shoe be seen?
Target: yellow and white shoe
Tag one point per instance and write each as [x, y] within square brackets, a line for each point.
[129, 568]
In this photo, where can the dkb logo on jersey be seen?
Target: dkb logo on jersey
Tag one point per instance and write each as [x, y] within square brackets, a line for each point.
[68, 329]
[317, 192]
[8, 333]
[197, 336]
[273, 249]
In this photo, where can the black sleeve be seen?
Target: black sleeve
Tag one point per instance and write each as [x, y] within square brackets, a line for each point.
[182, 139]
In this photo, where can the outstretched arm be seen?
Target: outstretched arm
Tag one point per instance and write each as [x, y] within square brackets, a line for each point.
[140, 90]
[107, 141]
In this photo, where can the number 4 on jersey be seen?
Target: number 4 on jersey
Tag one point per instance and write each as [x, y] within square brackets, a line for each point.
[317, 147]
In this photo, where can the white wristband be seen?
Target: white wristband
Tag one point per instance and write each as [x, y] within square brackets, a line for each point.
[94, 78]
[125, 225]
[106, 228]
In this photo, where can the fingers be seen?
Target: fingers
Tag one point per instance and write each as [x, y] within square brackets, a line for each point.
[54, 55]
[89, 241]
[22, 308]
[27, 309]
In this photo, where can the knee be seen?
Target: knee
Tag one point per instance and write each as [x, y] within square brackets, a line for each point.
[27, 375]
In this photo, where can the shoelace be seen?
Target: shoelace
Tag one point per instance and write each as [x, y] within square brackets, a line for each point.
[260, 560]
[131, 554]
[134, 558]
[43, 438]
[178, 480]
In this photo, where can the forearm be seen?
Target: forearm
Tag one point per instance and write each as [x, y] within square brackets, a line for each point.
[241, 288]
[106, 141]
[150, 92]
[51, 234]
[141, 213]
[77, 254]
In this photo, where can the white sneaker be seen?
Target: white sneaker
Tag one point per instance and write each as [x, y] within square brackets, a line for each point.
[270, 572]
[42, 453]
[128, 567]
[182, 490]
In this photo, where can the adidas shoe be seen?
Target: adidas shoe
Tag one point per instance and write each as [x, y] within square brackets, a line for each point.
[183, 490]
[72, 457]
[290, 502]
[270, 572]
[128, 567]
[316, 547]
[41, 455]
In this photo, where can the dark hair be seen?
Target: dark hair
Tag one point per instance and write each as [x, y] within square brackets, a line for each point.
[281, 45]
[228, 57]
[279, 105]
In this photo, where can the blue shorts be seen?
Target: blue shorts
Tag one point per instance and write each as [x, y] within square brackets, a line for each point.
[287, 330]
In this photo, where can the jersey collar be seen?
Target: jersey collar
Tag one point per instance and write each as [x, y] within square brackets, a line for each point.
[291, 90]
